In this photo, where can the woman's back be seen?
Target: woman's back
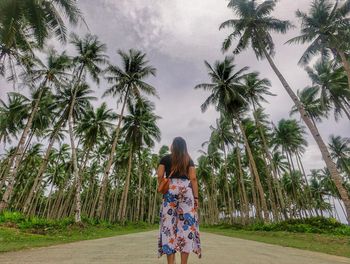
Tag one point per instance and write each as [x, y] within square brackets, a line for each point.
[167, 162]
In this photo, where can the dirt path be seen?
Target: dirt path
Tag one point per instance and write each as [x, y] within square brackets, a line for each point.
[140, 248]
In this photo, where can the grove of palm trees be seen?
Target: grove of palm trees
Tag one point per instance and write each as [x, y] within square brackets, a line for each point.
[65, 155]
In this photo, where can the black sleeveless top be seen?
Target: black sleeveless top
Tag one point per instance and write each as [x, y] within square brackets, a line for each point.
[166, 161]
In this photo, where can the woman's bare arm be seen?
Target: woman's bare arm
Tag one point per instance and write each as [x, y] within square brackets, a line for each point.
[160, 172]
[193, 179]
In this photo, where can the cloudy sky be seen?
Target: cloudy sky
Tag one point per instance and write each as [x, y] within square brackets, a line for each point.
[178, 35]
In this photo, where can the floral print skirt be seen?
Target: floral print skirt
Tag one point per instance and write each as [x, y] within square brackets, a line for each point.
[179, 227]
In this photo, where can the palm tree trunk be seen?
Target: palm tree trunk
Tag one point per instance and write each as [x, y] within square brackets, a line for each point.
[76, 175]
[42, 168]
[19, 151]
[346, 64]
[124, 200]
[254, 170]
[149, 200]
[345, 111]
[245, 200]
[271, 164]
[154, 205]
[143, 204]
[268, 166]
[316, 135]
[227, 186]
[48, 203]
[4, 173]
[102, 189]
[139, 189]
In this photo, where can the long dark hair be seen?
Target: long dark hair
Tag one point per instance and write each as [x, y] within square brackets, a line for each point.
[180, 159]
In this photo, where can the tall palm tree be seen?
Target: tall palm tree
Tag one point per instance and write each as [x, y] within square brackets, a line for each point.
[91, 56]
[140, 129]
[326, 26]
[222, 136]
[253, 28]
[255, 89]
[228, 97]
[128, 82]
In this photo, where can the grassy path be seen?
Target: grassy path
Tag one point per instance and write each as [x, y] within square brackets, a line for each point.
[140, 248]
[324, 243]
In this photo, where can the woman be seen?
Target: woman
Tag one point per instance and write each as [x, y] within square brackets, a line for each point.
[178, 215]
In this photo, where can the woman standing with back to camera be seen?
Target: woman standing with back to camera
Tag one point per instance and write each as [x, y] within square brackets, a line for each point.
[179, 228]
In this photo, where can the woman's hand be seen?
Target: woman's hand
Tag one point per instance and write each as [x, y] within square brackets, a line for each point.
[196, 204]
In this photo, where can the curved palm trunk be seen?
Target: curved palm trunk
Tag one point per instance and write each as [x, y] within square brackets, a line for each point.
[149, 200]
[254, 171]
[42, 168]
[19, 152]
[229, 206]
[102, 189]
[245, 200]
[271, 170]
[124, 200]
[74, 160]
[154, 205]
[316, 135]
[139, 190]
[4, 173]
[345, 111]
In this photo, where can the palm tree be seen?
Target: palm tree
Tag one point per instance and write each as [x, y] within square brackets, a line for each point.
[140, 128]
[253, 28]
[311, 103]
[228, 96]
[332, 83]
[289, 136]
[340, 151]
[91, 56]
[222, 136]
[93, 127]
[326, 26]
[25, 25]
[13, 113]
[279, 161]
[255, 90]
[46, 75]
[318, 192]
[63, 103]
[128, 82]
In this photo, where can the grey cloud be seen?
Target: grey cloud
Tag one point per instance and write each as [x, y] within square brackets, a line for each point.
[177, 37]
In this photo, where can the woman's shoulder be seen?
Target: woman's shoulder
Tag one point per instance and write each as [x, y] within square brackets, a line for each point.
[165, 159]
[191, 163]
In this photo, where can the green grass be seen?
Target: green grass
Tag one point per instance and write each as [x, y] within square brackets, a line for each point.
[20, 232]
[326, 243]
[13, 238]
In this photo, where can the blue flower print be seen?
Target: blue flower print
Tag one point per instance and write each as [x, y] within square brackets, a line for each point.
[189, 218]
[167, 250]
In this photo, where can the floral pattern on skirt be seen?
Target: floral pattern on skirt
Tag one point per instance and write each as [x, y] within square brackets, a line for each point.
[179, 226]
